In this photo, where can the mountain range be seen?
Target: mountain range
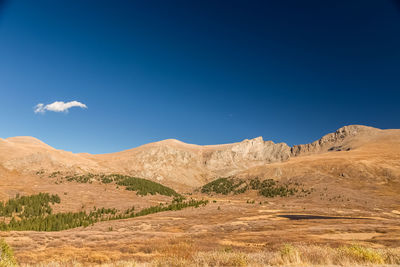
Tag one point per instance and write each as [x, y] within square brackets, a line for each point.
[354, 150]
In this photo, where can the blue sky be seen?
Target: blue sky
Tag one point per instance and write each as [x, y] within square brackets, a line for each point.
[203, 72]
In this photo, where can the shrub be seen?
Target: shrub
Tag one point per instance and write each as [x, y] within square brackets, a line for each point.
[362, 254]
[290, 254]
[6, 255]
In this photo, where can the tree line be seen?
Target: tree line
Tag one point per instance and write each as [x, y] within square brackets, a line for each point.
[44, 220]
[142, 186]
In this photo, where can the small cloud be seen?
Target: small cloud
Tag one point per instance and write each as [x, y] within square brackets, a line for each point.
[58, 106]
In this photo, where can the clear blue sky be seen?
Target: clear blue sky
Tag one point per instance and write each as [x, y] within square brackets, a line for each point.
[204, 72]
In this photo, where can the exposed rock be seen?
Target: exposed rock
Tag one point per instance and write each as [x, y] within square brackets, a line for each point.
[337, 141]
[246, 153]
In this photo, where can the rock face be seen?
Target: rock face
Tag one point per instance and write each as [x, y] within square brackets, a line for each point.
[177, 162]
[341, 140]
[246, 153]
[173, 162]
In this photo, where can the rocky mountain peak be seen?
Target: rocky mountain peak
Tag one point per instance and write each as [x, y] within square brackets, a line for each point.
[336, 141]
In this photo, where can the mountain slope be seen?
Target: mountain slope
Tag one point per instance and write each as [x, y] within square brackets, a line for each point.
[28, 154]
[345, 138]
[368, 164]
[182, 165]
[172, 161]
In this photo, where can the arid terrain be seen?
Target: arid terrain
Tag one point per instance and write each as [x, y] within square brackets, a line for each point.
[335, 201]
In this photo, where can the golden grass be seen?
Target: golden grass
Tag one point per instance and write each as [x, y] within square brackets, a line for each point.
[178, 253]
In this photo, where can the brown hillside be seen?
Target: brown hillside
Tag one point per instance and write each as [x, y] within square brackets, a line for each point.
[352, 151]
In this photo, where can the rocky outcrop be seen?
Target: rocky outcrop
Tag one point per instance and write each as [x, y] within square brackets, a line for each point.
[246, 153]
[337, 141]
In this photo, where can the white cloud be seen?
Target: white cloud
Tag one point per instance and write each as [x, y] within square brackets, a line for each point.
[58, 106]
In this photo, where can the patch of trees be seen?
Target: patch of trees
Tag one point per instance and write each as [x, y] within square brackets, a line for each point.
[271, 188]
[58, 221]
[28, 206]
[44, 220]
[87, 178]
[225, 186]
[266, 188]
[142, 186]
[177, 204]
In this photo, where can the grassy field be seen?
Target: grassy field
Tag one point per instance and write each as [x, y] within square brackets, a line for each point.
[184, 253]
[229, 231]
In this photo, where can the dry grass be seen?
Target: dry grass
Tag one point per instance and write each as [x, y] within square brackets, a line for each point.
[183, 253]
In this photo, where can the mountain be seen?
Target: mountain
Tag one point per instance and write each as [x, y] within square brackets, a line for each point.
[176, 162]
[182, 165]
[344, 139]
[358, 160]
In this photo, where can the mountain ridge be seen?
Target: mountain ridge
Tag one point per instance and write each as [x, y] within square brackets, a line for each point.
[171, 141]
[174, 162]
